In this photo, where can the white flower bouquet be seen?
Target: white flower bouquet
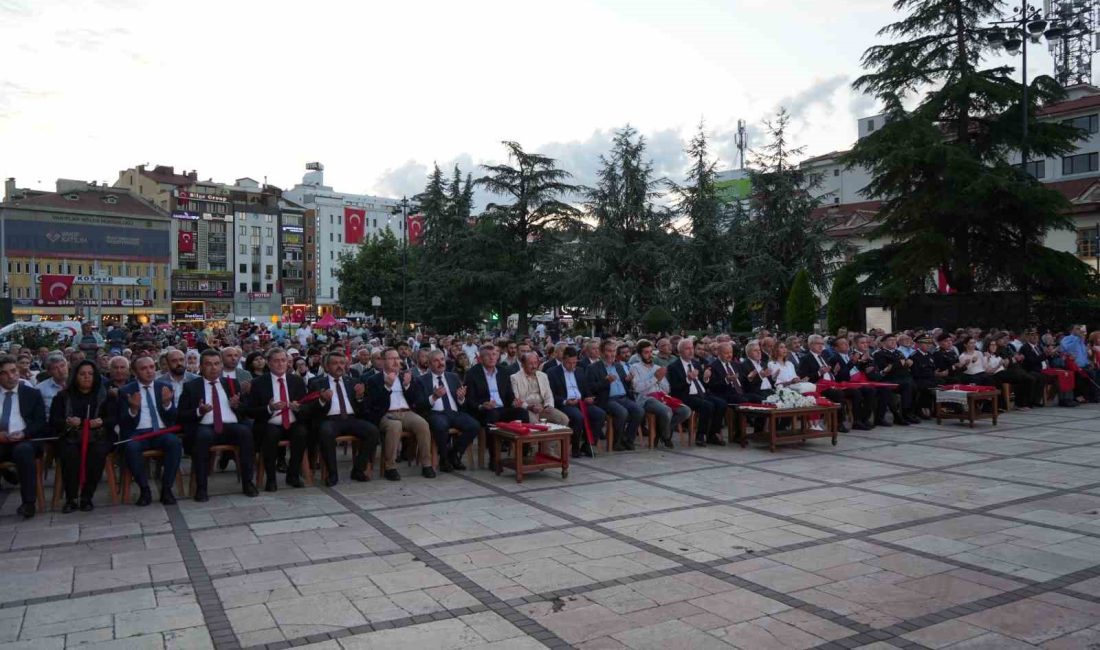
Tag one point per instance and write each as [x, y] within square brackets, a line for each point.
[785, 398]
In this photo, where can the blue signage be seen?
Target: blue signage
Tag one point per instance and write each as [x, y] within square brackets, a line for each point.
[58, 239]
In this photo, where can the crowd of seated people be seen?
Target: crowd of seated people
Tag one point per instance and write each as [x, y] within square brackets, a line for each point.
[287, 403]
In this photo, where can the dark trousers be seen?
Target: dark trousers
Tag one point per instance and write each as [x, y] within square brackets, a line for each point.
[1028, 391]
[597, 417]
[441, 422]
[233, 433]
[273, 434]
[863, 401]
[710, 411]
[628, 416]
[68, 452]
[364, 431]
[169, 443]
[22, 454]
[884, 399]
[905, 394]
[924, 395]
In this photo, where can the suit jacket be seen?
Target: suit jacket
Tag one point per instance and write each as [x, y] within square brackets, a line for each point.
[811, 370]
[678, 383]
[477, 386]
[240, 374]
[718, 384]
[597, 379]
[550, 363]
[1033, 361]
[428, 387]
[544, 386]
[753, 384]
[127, 423]
[33, 409]
[319, 409]
[263, 392]
[378, 396]
[556, 378]
[844, 373]
[194, 393]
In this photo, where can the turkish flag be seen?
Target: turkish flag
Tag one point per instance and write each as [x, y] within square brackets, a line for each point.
[416, 229]
[186, 242]
[355, 224]
[56, 287]
[298, 315]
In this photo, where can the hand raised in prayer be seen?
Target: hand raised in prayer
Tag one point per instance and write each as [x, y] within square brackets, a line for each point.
[135, 400]
[360, 390]
[73, 422]
[205, 408]
[326, 395]
[96, 423]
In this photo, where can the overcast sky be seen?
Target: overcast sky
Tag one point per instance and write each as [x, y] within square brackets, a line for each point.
[377, 91]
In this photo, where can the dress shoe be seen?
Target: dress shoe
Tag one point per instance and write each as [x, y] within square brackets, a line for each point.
[912, 419]
[86, 506]
[69, 506]
[427, 472]
[201, 496]
[145, 499]
[445, 465]
[223, 461]
[280, 466]
[250, 490]
[167, 498]
[456, 462]
[900, 421]
[331, 480]
[26, 510]
[700, 443]
[859, 426]
[715, 440]
[618, 446]
[882, 423]
[575, 453]
[841, 428]
[629, 444]
[391, 475]
[359, 475]
[667, 442]
[271, 485]
[586, 450]
[295, 482]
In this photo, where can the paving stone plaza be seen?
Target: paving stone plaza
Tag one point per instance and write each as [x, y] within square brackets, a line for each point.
[908, 537]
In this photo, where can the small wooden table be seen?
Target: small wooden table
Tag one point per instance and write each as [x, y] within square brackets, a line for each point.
[542, 459]
[973, 410]
[801, 417]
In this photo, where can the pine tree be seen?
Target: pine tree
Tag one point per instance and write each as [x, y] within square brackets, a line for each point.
[844, 299]
[951, 197]
[528, 229]
[801, 304]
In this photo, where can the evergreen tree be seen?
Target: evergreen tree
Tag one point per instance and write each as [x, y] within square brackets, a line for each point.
[374, 269]
[699, 268]
[801, 304]
[528, 229]
[952, 199]
[774, 234]
[844, 299]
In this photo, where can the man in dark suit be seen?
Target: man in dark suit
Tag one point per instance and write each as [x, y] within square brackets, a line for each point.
[687, 381]
[341, 411]
[611, 386]
[590, 353]
[210, 410]
[814, 368]
[392, 401]
[725, 377]
[490, 390]
[447, 410]
[924, 376]
[1034, 362]
[146, 405]
[22, 419]
[570, 387]
[948, 368]
[895, 369]
[274, 404]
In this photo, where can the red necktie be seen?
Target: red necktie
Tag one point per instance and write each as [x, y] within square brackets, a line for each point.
[217, 407]
[283, 398]
[340, 395]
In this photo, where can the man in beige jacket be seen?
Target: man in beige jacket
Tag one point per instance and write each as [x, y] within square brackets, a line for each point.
[532, 387]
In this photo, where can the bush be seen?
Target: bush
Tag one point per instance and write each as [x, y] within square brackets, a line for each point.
[801, 306]
[658, 319]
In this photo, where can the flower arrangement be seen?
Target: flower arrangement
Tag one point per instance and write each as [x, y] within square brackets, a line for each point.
[785, 398]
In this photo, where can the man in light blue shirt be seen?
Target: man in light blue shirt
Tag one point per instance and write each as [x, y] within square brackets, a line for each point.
[1073, 344]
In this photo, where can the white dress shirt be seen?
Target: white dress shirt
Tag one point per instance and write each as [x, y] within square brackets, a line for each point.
[276, 417]
[437, 403]
[145, 418]
[334, 406]
[16, 424]
[693, 387]
[572, 390]
[827, 374]
[397, 395]
[210, 393]
[765, 383]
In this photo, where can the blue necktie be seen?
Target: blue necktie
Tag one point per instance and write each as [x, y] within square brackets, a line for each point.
[446, 400]
[152, 409]
[5, 415]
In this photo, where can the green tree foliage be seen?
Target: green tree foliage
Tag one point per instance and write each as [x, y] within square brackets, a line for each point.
[657, 319]
[952, 198]
[844, 299]
[774, 235]
[374, 269]
[525, 231]
[629, 246]
[801, 304]
[700, 264]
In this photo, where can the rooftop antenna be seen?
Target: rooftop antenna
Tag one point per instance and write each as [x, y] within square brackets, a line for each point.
[740, 140]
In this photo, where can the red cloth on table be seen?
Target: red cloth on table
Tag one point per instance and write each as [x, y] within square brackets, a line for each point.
[1065, 378]
[667, 400]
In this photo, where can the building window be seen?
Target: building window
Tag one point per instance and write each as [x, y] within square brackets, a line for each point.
[340, 238]
[1037, 168]
[268, 251]
[268, 270]
[244, 249]
[244, 287]
[244, 268]
[270, 287]
[80, 269]
[331, 237]
[1087, 123]
[1087, 244]
[269, 232]
[1080, 164]
[268, 218]
[870, 126]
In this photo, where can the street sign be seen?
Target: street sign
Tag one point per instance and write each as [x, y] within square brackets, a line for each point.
[113, 280]
[376, 302]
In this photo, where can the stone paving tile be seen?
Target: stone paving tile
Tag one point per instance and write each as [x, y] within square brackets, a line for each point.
[1030, 470]
[471, 518]
[953, 490]
[918, 455]
[994, 444]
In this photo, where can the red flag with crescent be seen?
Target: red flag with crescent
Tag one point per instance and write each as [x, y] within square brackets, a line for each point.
[56, 287]
[186, 242]
[416, 229]
[298, 315]
[355, 224]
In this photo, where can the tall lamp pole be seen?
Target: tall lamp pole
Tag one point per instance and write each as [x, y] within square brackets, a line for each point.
[404, 261]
